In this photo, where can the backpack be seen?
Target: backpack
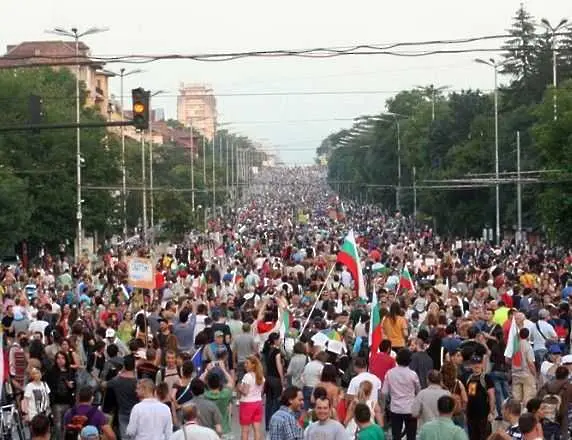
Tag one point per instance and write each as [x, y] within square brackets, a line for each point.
[112, 371]
[77, 423]
[162, 374]
[551, 404]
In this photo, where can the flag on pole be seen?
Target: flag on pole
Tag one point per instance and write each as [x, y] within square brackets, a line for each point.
[349, 257]
[284, 323]
[512, 350]
[405, 280]
[375, 329]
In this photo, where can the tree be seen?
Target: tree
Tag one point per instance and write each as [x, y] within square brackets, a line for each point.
[554, 143]
[47, 160]
[521, 47]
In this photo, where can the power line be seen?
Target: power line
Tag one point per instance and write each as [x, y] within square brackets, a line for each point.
[317, 52]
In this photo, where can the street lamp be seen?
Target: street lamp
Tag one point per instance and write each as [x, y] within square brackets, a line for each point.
[395, 117]
[554, 31]
[76, 35]
[152, 195]
[122, 75]
[495, 65]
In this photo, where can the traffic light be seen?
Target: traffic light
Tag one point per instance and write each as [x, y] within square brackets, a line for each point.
[140, 108]
[36, 109]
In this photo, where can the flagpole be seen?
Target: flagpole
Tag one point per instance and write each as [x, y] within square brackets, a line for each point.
[317, 299]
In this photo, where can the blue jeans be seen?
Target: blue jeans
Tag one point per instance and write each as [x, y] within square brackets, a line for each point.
[539, 356]
[307, 393]
[551, 430]
[500, 381]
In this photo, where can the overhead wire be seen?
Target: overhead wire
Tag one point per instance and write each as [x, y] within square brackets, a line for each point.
[316, 52]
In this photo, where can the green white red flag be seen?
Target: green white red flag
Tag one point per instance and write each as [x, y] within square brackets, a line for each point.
[405, 280]
[349, 257]
[512, 350]
[375, 329]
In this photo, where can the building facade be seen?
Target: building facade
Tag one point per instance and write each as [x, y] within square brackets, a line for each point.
[196, 106]
[62, 55]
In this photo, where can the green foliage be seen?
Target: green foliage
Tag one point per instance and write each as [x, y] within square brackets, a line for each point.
[38, 170]
[459, 144]
[45, 162]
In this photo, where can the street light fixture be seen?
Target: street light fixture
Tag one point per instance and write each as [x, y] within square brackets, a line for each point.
[152, 195]
[122, 74]
[76, 35]
[495, 65]
[554, 31]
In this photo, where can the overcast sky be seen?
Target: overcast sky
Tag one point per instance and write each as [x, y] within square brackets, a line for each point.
[293, 124]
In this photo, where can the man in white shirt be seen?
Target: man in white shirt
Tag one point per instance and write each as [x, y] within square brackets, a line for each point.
[360, 367]
[191, 430]
[541, 333]
[149, 419]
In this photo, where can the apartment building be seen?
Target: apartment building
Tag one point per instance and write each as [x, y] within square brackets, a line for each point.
[62, 55]
[196, 105]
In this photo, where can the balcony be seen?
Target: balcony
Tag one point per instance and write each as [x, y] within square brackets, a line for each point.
[99, 94]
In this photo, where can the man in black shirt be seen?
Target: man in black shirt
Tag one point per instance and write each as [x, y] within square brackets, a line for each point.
[481, 400]
[7, 322]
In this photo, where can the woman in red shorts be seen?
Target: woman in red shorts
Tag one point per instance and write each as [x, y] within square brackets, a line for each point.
[250, 389]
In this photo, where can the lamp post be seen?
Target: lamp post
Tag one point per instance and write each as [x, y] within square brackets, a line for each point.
[495, 65]
[214, 175]
[76, 35]
[152, 194]
[553, 30]
[395, 117]
[192, 166]
[122, 74]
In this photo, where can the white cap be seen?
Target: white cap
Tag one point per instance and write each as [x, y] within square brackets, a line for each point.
[110, 333]
[567, 359]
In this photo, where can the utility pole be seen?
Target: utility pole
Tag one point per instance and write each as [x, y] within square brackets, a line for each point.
[232, 168]
[398, 189]
[414, 198]
[76, 35]
[227, 164]
[122, 75]
[518, 191]
[214, 176]
[553, 30]
[144, 184]
[192, 166]
[495, 65]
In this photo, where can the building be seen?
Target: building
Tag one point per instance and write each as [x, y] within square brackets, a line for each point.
[196, 106]
[62, 54]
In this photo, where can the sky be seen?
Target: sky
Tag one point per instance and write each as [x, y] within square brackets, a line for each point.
[291, 122]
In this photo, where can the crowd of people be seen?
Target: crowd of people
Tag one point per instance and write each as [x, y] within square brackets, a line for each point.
[259, 324]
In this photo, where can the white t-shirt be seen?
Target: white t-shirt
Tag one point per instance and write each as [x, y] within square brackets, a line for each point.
[538, 337]
[38, 396]
[356, 382]
[254, 390]
[195, 432]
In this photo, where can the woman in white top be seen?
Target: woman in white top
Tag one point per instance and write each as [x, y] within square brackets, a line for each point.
[364, 395]
[250, 389]
[36, 396]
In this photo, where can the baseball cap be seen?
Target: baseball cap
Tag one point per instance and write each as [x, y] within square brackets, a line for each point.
[110, 333]
[567, 359]
[476, 359]
[218, 333]
[555, 349]
[89, 432]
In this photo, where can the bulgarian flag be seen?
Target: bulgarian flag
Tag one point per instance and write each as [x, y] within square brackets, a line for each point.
[512, 350]
[284, 323]
[375, 329]
[405, 280]
[349, 257]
